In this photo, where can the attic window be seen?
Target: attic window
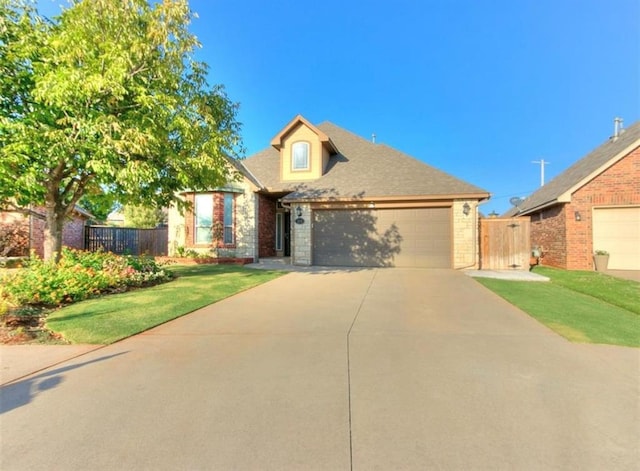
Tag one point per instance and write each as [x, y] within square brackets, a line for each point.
[300, 156]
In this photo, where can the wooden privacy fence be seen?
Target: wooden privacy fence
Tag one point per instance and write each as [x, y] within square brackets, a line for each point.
[505, 243]
[126, 241]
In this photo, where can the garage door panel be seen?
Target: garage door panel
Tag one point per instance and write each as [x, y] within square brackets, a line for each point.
[386, 237]
[617, 230]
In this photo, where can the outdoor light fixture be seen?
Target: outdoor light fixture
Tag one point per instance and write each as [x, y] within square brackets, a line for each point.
[466, 209]
[578, 216]
[299, 211]
[372, 205]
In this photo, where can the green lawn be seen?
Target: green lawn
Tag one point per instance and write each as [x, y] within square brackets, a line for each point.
[581, 306]
[110, 318]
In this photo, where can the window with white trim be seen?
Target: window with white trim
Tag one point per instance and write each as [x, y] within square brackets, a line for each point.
[203, 215]
[300, 156]
[228, 218]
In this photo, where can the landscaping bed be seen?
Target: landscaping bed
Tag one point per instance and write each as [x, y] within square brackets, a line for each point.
[203, 260]
[29, 294]
[58, 304]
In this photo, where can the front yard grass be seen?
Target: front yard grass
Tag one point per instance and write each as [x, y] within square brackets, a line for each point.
[110, 318]
[585, 307]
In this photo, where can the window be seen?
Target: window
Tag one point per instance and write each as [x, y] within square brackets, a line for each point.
[300, 155]
[228, 218]
[203, 218]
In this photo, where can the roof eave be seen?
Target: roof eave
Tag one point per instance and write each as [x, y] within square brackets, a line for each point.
[539, 207]
[276, 142]
[566, 196]
[445, 197]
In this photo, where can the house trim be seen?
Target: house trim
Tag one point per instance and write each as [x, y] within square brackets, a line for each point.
[375, 199]
[276, 142]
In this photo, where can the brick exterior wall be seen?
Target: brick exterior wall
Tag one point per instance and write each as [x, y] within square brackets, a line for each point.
[72, 231]
[568, 243]
[548, 231]
[266, 227]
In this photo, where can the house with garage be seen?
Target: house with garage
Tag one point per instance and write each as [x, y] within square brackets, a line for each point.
[322, 195]
[594, 205]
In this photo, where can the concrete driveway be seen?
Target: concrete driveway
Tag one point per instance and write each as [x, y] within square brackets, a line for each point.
[365, 369]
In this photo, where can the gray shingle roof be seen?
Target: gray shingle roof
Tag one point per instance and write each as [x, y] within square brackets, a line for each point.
[361, 169]
[574, 175]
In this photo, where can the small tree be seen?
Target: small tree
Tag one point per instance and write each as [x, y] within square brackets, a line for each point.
[143, 217]
[106, 97]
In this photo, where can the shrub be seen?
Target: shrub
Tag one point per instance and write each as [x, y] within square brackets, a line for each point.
[77, 276]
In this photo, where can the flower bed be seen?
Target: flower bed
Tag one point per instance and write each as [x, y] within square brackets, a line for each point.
[78, 275]
[204, 260]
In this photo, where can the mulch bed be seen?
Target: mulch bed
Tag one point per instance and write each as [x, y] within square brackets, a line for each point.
[21, 329]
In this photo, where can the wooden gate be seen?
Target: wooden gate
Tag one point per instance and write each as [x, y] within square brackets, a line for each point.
[505, 244]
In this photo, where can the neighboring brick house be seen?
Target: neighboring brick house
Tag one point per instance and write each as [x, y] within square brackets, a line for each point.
[72, 231]
[593, 205]
[324, 196]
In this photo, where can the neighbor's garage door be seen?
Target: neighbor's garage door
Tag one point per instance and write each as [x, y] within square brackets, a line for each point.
[418, 237]
[617, 230]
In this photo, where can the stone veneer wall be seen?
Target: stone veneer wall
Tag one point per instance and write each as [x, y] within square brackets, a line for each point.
[301, 238]
[181, 228]
[465, 235]
[246, 216]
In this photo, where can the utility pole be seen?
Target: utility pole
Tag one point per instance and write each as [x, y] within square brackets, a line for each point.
[542, 164]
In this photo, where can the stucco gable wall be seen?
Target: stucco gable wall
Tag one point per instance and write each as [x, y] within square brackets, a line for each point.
[316, 155]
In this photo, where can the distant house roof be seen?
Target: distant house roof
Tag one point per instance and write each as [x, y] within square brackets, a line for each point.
[361, 169]
[559, 189]
[83, 212]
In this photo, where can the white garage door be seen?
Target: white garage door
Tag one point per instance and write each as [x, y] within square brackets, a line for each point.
[419, 237]
[617, 230]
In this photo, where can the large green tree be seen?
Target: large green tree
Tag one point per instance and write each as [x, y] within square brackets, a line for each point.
[106, 97]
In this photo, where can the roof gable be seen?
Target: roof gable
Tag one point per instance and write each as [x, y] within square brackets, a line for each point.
[361, 169]
[299, 120]
[560, 189]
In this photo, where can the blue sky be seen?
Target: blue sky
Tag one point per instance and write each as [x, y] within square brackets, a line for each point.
[477, 89]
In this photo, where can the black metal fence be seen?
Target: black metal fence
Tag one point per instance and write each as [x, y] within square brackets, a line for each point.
[126, 241]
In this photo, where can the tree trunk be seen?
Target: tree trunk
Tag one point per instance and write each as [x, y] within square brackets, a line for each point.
[52, 233]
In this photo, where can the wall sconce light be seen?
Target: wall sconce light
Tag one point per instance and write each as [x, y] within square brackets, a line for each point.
[299, 211]
[466, 209]
[578, 216]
